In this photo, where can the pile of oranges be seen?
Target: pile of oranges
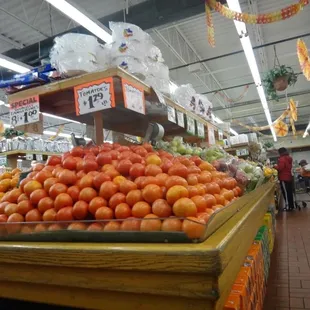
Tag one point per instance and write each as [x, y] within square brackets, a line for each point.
[9, 180]
[120, 188]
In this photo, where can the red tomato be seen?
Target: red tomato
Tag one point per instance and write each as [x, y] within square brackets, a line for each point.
[87, 194]
[104, 213]
[53, 160]
[152, 192]
[126, 186]
[24, 206]
[45, 203]
[141, 209]
[137, 170]
[37, 195]
[104, 158]
[49, 215]
[65, 214]
[42, 176]
[108, 189]
[69, 163]
[77, 151]
[152, 170]
[56, 189]
[179, 170]
[63, 200]
[33, 216]
[96, 203]
[100, 178]
[161, 208]
[90, 165]
[74, 192]
[49, 182]
[124, 166]
[122, 211]
[80, 210]
[133, 197]
[116, 199]
[67, 177]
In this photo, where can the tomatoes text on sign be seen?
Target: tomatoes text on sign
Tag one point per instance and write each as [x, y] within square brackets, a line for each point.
[94, 96]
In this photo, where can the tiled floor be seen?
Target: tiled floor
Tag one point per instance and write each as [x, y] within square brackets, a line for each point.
[289, 279]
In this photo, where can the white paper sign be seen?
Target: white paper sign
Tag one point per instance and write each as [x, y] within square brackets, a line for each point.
[190, 125]
[171, 114]
[221, 136]
[200, 130]
[133, 97]
[211, 136]
[39, 157]
[180, 118]
[3, 160]
[25, 111]
[94, 96]
[29, 156]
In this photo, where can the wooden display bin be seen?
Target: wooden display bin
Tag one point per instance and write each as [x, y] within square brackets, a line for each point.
[135, 276]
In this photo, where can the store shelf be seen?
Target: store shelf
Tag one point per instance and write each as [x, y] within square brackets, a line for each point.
[58, 98]
[131, 276]
[21, 152]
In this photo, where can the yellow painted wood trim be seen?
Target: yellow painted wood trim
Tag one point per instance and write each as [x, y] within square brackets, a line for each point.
[97, 299]
[165, 284]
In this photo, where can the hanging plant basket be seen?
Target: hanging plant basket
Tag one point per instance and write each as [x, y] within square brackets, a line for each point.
[280, 83]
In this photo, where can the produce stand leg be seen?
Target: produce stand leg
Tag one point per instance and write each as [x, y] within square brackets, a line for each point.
[98, 125]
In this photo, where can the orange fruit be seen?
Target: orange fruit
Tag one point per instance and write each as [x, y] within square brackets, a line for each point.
[95, 204]
[176, 192]
[116, 199]
[87, 194]
[112, 226]
[161, 208]
[171, 224]
[108, 189]
[184, 207]
[126, 186]
[122, 211]
[130, 224]
[56, 189]
[151, 193]
[141, 209]
[133, 197]
[150, 223]
[37, 195]
[200, 203]
[175, 180]
[104, 213]
[194, 227]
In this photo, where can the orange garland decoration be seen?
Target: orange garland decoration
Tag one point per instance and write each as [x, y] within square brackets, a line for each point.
[230, 100]
[281, 129]
[268, 18]
[303, 57]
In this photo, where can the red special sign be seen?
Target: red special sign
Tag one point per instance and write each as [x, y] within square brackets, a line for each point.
[24, 102]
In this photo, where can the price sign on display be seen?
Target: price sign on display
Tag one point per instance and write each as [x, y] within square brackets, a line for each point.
[180, 118]
[3, 160]
[25, 111]
[39, 157]
[221, 136]
[200, 130]
[171, 114]
[133, 97]
[190, 125]
[94, 96]
[211, 136]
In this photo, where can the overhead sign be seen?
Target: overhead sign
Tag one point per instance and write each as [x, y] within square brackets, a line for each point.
[25, 111]
[133, 97]
[94, 96]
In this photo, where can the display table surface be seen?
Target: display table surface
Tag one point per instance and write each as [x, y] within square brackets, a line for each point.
[135, 276]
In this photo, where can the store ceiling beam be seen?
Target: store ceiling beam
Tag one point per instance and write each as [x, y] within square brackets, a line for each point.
[14, 43]
[241, 51]
[255, 101]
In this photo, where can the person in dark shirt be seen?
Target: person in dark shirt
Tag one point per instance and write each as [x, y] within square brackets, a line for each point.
[284, 167]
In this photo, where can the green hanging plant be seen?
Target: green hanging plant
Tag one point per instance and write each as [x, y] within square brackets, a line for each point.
[11, 133]
[278, 79]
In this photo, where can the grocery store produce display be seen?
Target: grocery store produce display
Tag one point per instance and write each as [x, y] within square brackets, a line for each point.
[118, 188]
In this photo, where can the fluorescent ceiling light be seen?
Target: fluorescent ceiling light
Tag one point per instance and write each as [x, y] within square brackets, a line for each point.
[61, 118]
[53, 133]
[250, 57]
[217, 119]
[77, 14]
[234, 132]
[14, 65]
[306, 131]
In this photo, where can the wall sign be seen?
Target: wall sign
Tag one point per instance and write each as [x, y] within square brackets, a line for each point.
[3, 160]
[190, 125]
[200, 130]
[171, 114]
[25, 111]
[180, 119]
[211, 136]
[133, 97]
[94, 96]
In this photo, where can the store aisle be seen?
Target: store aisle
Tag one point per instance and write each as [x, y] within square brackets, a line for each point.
[289, 280]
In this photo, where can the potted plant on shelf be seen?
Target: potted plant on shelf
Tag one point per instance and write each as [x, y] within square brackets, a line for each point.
[278, 79]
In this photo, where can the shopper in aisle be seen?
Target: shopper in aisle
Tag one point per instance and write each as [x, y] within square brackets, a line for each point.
[284, 167]
[304, 174]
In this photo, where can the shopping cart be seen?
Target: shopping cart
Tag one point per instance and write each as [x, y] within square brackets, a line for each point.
[299, 187]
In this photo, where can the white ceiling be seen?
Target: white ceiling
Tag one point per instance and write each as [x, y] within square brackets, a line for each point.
[24, 22]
